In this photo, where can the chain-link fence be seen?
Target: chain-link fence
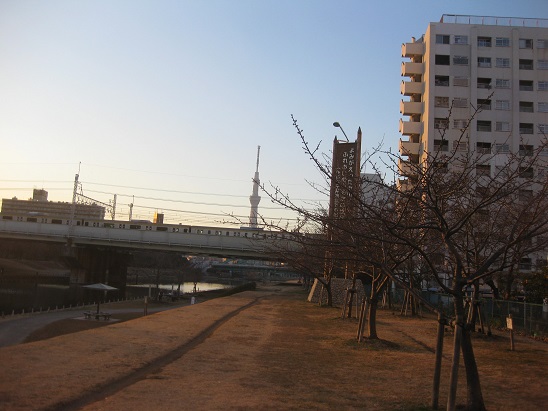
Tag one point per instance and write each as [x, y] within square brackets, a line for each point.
[531, 319]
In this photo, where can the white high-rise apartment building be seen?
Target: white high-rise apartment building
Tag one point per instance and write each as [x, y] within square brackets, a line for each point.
[463, 62]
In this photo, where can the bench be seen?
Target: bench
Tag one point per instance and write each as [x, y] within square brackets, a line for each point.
[92, 314]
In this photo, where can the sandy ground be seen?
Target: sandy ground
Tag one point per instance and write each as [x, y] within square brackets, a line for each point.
[266, 349]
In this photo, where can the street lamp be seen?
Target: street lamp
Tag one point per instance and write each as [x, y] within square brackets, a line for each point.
[336, 124]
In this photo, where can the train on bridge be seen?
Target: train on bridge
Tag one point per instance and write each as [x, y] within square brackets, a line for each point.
[145, 225]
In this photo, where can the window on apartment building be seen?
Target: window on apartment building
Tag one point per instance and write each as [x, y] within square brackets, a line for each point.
[459, 145]
[483, 192]
[542, 86]
[543, 129]
[525, 64]
[441, 123]
[541, 262]
[441, 81]
[542, 107]
[460, 81]
[502, 104]
[484, 62]
[441, 145]
[542, 44]
[526, 106]
[459, 39]
[442, 39]
[526, 128]
[441, 101]
[483, 147]
[502, 62]
[483, 125]
[484, 104]
[441, 166]
[484, 82]
[502, 126]
[502, 148]
[526, 150]
[442, 60]
[526, 85]
[460, 60]
[484, 41]
[483, 170]
[502, 83]
[502, 42]
[526, 172]
[460, 124]
[526, 263]
[460, 102]
[542, 64]
[525, 43]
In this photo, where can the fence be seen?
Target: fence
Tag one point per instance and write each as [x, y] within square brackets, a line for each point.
[529, 318]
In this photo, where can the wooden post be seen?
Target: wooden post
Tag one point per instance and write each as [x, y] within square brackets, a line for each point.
[363, 313]
[437, 367]
[344, 305]
[510, 326]
[146, 307]
[453, 381]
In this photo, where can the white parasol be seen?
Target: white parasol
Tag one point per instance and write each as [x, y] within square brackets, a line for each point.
[100, 287]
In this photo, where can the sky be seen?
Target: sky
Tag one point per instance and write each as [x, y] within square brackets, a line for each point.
[165, 102]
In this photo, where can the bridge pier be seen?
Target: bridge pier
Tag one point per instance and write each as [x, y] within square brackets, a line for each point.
[100, 265]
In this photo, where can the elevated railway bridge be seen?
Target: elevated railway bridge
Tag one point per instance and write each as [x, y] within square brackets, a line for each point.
[102, 247]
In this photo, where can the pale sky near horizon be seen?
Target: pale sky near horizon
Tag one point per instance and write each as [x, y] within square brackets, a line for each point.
[168, 100]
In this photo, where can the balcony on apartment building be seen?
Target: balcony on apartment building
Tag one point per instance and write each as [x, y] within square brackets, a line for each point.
[406, 168]
[408, 108]
[409, 69]
[404, 184]
[407, 148]
[409, 128]
[412, 49]
[409, 88]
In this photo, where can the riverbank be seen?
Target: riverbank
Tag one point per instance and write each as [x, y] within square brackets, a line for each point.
[262, 349]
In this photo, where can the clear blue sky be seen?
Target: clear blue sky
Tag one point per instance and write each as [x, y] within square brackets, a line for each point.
[168, 100]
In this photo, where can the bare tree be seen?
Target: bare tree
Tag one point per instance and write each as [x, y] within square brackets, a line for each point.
[464, 215]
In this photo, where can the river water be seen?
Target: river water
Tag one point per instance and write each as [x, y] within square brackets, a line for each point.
[43, 296]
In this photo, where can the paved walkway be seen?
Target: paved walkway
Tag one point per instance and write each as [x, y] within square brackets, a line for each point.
[14, 330]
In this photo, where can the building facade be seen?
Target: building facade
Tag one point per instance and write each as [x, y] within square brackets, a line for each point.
[39, 208]
[485, 75]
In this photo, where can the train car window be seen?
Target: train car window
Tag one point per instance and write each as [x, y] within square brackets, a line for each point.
[7, 217]
[78, 223]
[86, 224]
[185, 230]
[209, 231]
[161, 228]
[134, 227]
[32, 219]
[56, 221]
[227, 233]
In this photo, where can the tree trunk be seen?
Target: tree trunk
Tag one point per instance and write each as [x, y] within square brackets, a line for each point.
[372, 315]
[474, 400]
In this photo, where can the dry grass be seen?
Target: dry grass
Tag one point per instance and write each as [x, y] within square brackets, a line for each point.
[285, 353]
